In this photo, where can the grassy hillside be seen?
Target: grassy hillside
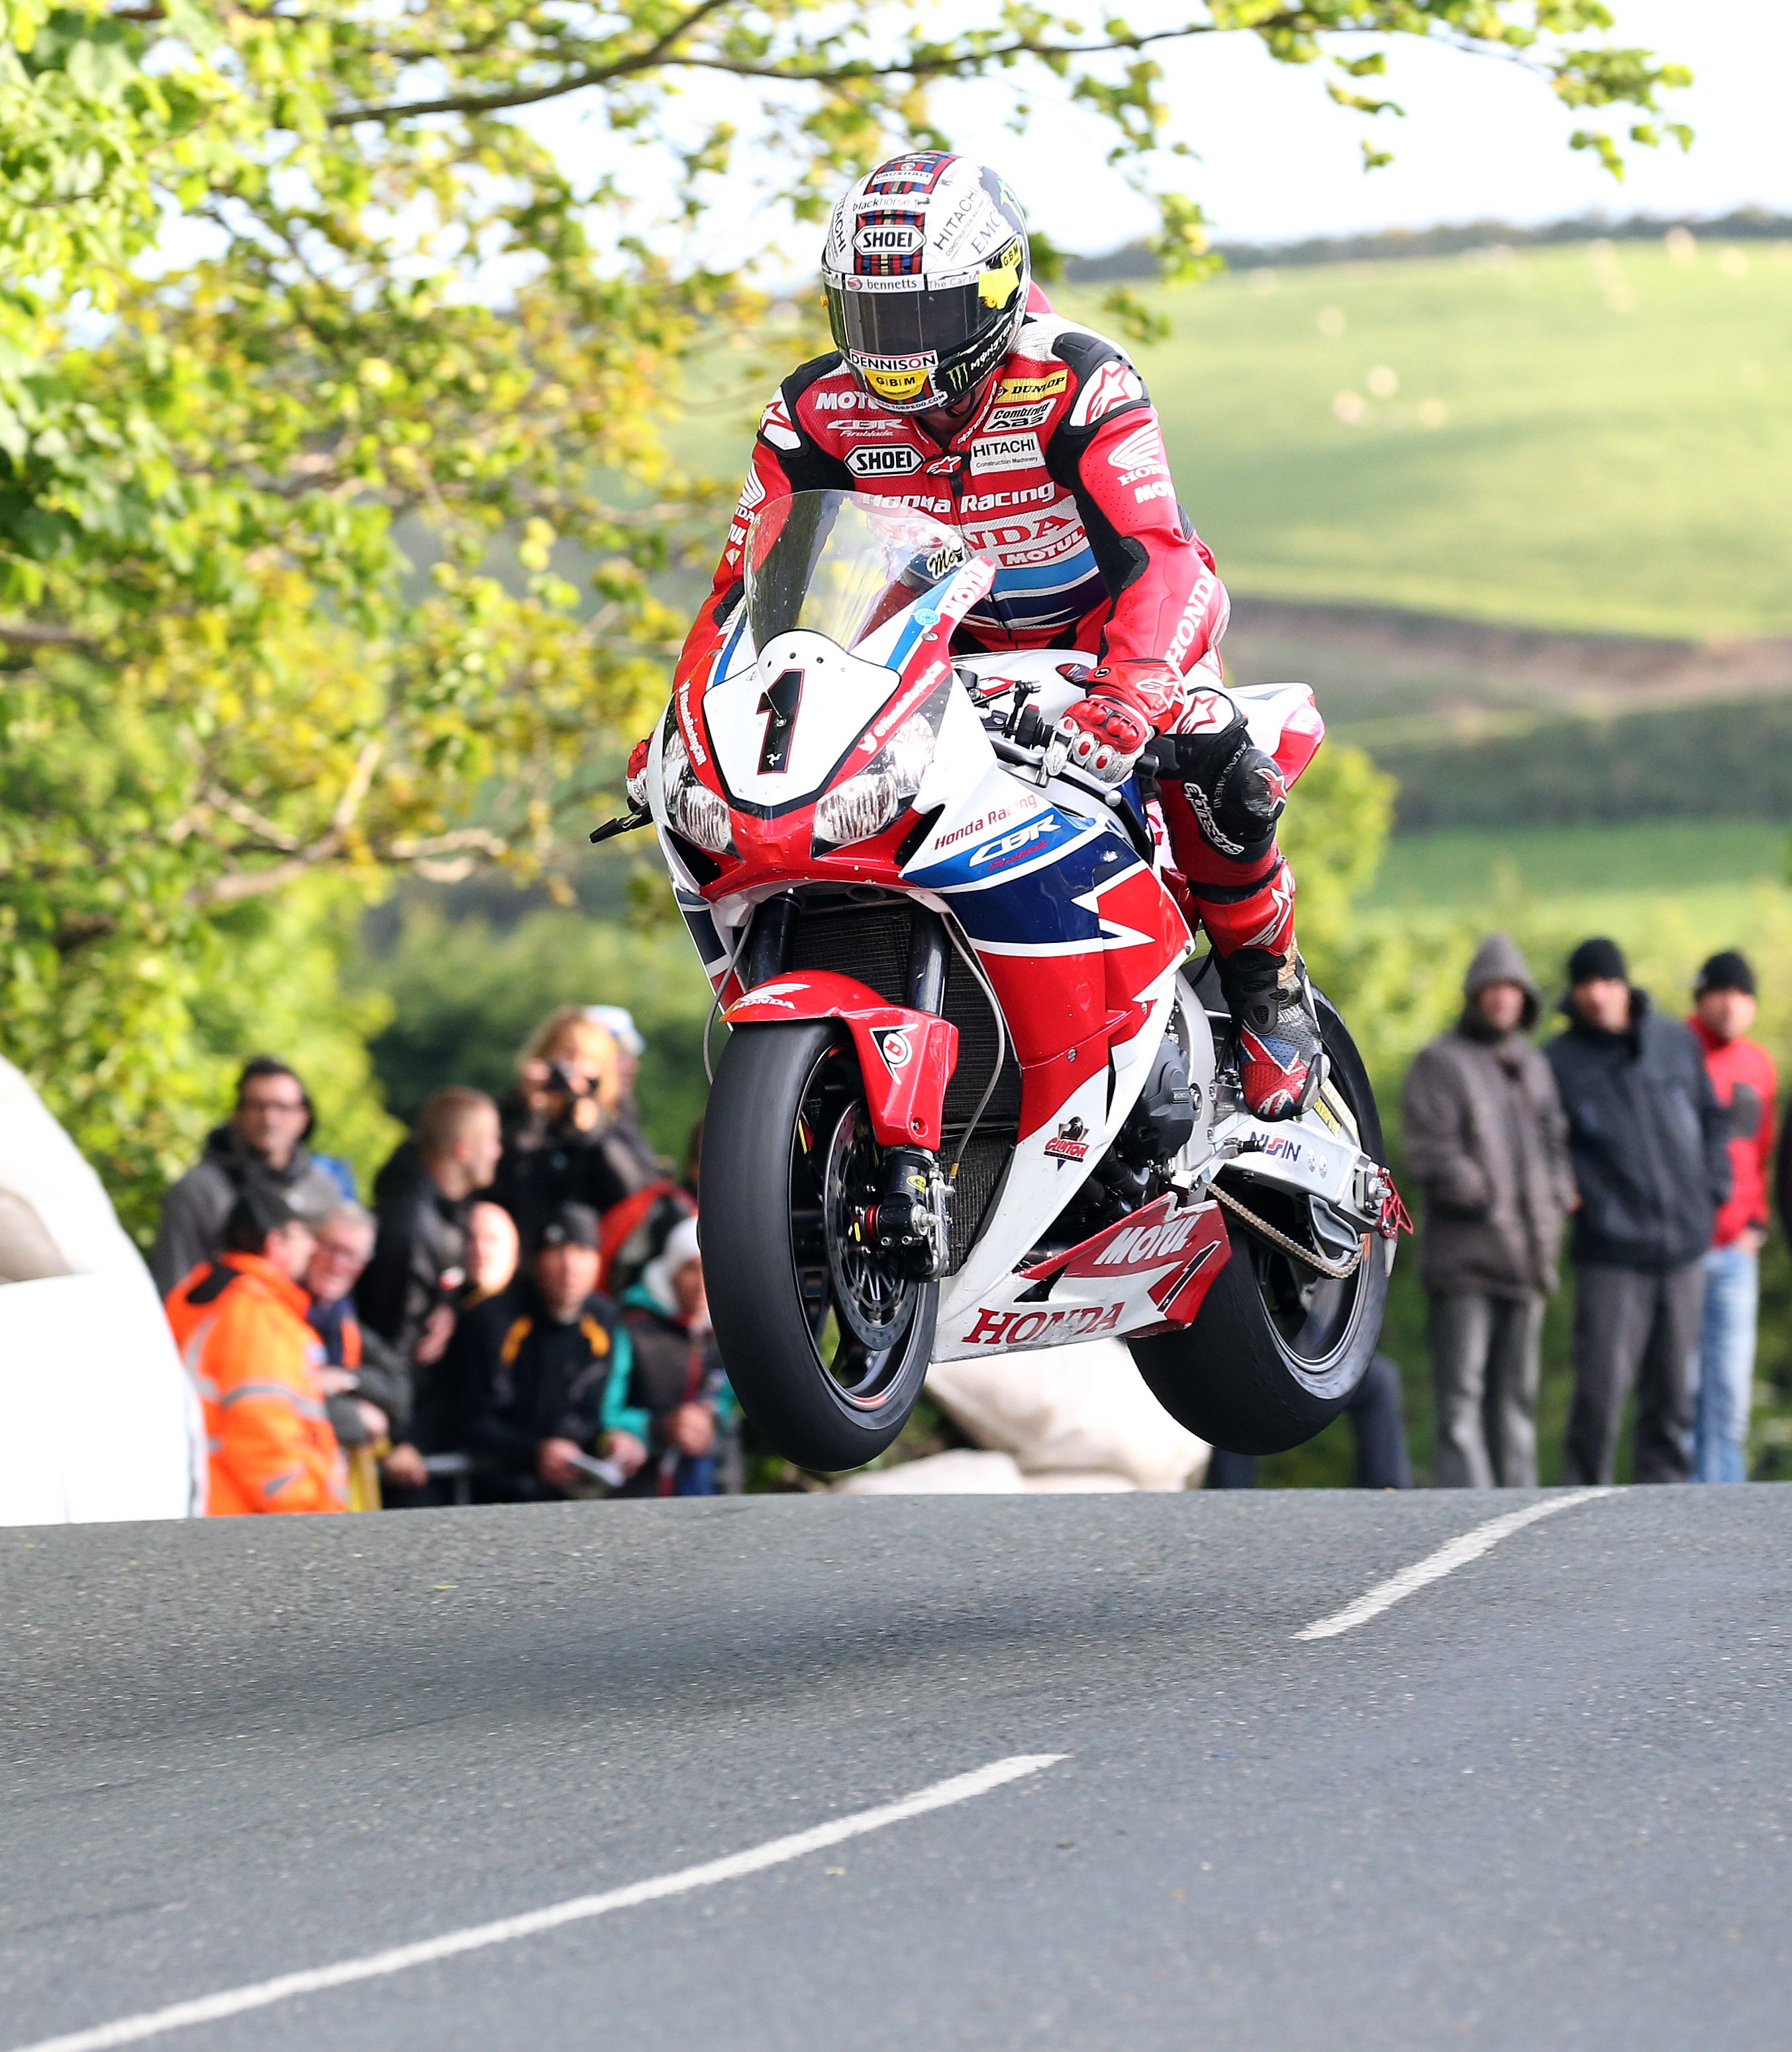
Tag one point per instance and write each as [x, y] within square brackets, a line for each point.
[1610, 445]
[1477, 872]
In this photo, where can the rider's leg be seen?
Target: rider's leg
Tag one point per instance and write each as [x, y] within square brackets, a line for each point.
[1221, 817]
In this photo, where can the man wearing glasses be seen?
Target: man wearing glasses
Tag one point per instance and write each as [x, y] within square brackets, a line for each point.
[264, 1136]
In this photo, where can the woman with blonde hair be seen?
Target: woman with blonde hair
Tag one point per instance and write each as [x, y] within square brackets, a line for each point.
[564, 1142]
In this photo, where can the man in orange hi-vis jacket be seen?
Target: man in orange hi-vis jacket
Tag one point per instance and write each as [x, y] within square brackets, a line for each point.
[240, 1324]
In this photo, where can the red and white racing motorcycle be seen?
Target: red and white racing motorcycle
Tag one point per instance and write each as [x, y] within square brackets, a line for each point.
[975, 1095]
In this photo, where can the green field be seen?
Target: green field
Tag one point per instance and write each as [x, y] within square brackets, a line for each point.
[1615, 450]
[1680, 859]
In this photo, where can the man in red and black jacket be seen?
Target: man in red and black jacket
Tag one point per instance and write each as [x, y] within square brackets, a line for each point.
[1743, 1080]
[955, 390]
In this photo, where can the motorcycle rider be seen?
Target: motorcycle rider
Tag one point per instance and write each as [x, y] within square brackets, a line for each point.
[956, 390]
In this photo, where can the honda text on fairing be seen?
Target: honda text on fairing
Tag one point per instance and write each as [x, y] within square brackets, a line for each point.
[977, 1095]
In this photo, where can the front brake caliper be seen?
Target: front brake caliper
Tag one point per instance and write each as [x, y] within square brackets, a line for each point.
[911, 1219]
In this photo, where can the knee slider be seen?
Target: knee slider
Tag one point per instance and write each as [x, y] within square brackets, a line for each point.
[1239, 799]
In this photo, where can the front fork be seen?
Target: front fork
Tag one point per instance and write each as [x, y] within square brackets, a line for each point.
[909, 1218]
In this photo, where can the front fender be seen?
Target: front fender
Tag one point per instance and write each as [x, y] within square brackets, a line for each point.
[906, 1057]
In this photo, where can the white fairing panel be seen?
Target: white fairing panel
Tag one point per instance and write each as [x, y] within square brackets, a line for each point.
[840, 696]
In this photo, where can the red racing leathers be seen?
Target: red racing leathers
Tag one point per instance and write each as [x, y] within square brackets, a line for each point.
[1059, 473]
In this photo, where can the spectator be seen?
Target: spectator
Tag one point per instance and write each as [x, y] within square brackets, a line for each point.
[408, 1294]
[240, 1323]
[442, 1422]
[619, 1023]
[1487, 1142]
[265, 1137]
[493, 1252]
[1651, 1168]
[553, 1374]
[423, 1195]
[366, 1383]
[563, 1140]
[1743, 1079]
[693, 1437]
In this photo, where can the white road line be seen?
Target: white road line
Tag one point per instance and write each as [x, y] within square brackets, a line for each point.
[371, 1966]
[1457, 1553]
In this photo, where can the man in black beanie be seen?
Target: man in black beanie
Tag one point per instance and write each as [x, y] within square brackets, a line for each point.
[1651, 1160]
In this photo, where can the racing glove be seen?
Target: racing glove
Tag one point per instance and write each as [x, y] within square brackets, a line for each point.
[1102, 738]
[635, 782]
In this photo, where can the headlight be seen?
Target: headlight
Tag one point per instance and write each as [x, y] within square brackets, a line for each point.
[865, 805]
[692, 809]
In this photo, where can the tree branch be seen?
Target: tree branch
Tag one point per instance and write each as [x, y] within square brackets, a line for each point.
[41, 634]
[944, 64]
[496, 103]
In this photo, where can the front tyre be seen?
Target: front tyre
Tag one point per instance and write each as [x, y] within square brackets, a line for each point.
[1277, 1350]
[825, 1342]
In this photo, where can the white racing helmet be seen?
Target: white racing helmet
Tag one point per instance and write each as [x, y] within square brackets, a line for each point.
[927, 272]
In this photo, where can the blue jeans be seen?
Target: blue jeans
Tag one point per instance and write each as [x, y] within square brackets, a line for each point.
[1726, 1365]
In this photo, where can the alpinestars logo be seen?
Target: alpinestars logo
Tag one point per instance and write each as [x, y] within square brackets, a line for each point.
[774, 425]
[1116, 384]
[1070, 1143]
[1271, 934]
[1209, 827]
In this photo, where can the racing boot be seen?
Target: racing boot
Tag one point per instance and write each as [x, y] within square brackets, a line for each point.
[1281, 1057]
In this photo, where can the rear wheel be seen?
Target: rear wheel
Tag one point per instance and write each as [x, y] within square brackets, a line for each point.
[1277, 1349]
[826, 1341]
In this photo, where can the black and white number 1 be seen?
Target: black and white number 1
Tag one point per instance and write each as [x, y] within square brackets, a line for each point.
[778, 701]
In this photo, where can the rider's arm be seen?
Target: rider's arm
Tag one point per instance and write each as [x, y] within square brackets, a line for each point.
[786, 459]
[1166, 602]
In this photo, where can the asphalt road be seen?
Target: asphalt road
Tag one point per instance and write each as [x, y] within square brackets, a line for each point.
[1540, 1803]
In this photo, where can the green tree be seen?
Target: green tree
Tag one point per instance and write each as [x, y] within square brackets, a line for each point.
[319, 369]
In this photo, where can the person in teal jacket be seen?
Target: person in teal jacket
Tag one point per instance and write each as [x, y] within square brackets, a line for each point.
[693, 1437]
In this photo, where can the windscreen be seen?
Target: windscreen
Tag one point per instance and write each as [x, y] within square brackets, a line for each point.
[840, 564]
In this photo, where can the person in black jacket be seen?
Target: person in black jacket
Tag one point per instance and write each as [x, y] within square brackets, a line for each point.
[408, 1291]
[550, 1381]
[1649, 1144]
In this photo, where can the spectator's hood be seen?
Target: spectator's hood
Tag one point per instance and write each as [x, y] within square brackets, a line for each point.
[1500, 959]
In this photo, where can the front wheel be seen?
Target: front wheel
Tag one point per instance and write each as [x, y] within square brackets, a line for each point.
[825, 1341]
[1276, 1349]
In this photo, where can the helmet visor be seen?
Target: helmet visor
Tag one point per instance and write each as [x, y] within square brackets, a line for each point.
[900, 340]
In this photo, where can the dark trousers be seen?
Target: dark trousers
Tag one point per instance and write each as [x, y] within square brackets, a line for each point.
[1485, 1358]
[1378, 1419]
[1640, 1331]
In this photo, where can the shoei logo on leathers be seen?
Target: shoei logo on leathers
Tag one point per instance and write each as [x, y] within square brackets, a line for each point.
[885, 459]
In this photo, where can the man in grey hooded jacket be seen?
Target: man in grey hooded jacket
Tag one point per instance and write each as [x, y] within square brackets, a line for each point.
[1487, 1142]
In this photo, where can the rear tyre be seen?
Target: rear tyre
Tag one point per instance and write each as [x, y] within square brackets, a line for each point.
[825, 1343]
[1277, 1350]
